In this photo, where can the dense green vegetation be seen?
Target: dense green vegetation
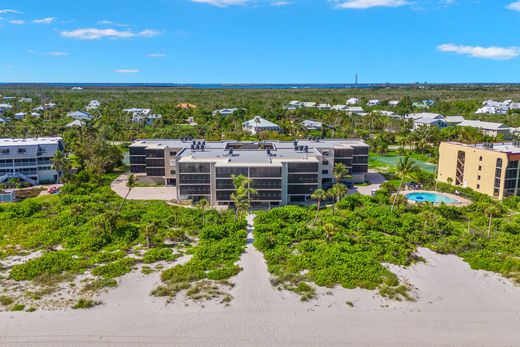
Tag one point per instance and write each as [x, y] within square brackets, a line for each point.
[349, 247]
[87, 228]
[111, 123]
[221, 242]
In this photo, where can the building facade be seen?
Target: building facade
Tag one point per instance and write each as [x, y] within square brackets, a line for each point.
[29, 159]
[488, 168]
[281, 172]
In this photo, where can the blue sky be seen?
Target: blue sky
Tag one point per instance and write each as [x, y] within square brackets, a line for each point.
[260, 41]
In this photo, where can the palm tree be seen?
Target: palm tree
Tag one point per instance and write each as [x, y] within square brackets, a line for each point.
[491, 210]
[405, 167]
[130, 183]
[149, 231]
[202, 204]
[330, 231]
[319, 195]
[60, 163]
[337, 192]
[340, 172]
[241, 197]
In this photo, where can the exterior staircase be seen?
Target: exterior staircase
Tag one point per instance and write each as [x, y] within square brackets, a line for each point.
[19, 175]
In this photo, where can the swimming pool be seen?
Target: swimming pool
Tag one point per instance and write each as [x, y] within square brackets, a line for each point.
[434, 198]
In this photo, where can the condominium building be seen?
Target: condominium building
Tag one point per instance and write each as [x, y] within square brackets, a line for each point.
[488, 168]
[29, 159]
[281, 172]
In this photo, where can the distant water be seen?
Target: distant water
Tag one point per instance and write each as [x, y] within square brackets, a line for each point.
[199, 86]
[248, 86]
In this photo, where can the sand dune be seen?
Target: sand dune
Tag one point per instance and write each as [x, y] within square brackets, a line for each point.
[455, 306]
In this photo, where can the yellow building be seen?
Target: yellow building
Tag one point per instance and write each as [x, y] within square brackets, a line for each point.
[488, 168]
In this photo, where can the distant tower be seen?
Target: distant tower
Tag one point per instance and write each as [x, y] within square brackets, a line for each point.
[356, 78]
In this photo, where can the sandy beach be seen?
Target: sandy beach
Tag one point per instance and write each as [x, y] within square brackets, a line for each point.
[455, 306]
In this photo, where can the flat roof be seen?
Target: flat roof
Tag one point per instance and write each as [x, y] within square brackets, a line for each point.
[502, 147]
[30, 141]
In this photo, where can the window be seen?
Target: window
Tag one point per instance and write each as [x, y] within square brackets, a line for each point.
[325, 162]
[137, 151]
[185, 190]
[194, 167]
[479, 168]
[324, 172]
[229, 171]
[302, 178]
[266, 172]
[478, 186]
[173, 172]
[5, 151]
[302, 189]
[342, 153]
[21, 150]
[325, 152]
[194, 179]
[266, 184]
[478, 178]
[155, 153]
[480, 159]
[172, 154]
[155, 172]
[154, 162]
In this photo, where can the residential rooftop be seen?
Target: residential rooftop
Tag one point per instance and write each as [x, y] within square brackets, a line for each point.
[30, 141]
[502, 147]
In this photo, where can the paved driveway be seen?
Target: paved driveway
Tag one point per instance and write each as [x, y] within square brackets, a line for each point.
[142, 193]
[376, 179]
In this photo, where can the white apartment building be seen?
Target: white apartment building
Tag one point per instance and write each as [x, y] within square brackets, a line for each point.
[29, 159]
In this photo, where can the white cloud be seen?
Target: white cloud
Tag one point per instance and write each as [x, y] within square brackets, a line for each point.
[496, 53]
[281, 3]
[17, 21]
[127, 70]
[46, 20]
[364, 4]
[96, 34]
[57, 54]
[109, 22]
[9, 11]
[157, 55]
[223, 3]
[515, 6]
[52, 53]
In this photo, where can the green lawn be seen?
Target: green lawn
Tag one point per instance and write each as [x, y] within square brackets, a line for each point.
[391, 160]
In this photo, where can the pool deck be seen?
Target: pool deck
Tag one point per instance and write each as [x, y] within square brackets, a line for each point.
[461, 201]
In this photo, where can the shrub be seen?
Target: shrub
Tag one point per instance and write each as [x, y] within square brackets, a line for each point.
[157, 254]
[51, 263]
[6, 300]
[18, 307]
[85, 303]
[116, 269]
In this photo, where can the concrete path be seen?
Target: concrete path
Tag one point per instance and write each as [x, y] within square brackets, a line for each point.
[376, 179]
[142, 193]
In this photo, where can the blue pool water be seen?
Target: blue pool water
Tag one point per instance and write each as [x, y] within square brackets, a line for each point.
[434, 198]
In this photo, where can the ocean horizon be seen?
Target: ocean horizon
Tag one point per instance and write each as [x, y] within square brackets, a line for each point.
[239, 85]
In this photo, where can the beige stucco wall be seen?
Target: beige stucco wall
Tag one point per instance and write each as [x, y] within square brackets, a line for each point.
[448, 153]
